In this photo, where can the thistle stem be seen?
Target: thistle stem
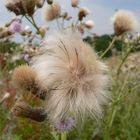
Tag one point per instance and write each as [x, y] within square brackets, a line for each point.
[123, 60]
[109, 47]
[32, 21]
[63, 136]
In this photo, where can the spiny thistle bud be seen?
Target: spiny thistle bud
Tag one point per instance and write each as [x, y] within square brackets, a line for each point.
[123, 21]
[24, 77]
[74, 3]
[89, 24]
[52, 12]
[83, 12]
[22, 109]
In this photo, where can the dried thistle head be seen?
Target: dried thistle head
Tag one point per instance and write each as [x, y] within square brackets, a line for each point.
[21, 7]
[24, 77]
[74, 75]
[24, 110]
[16, 7]
[83, 12]
[5, 32]
[74, 3]
[29, 6]
[123, 21]
[52, 11]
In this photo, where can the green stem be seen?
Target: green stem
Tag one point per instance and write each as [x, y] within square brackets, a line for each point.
[35, 25]
[113, 112]
[64, 136]
[123, 60]
[109, 47]
[32, 21]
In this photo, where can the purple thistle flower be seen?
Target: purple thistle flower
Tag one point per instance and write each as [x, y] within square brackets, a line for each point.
[65, 125]
[15, 26]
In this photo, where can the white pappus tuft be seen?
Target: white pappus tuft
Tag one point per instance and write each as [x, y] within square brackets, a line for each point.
[75, 78]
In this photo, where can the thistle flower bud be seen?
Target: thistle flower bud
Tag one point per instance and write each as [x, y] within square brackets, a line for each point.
[83, 12]
[52, 11]
[22, 109]
[65, 125]
[73, 74]
[123, 21]
[89, 24]
[43, 30]
[74, 3]
[15, 26]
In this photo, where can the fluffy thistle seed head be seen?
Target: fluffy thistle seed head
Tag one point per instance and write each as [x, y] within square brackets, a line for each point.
[74, 76]
[89, 24]
[52, 11]
[74, 3]
[123, 21]
[24, 110]
[24, 77]
[83, 12]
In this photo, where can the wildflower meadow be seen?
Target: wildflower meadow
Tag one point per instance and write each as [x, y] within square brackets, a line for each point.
[63, 81]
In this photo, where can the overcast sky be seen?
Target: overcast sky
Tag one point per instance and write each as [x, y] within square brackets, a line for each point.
[101, 11]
